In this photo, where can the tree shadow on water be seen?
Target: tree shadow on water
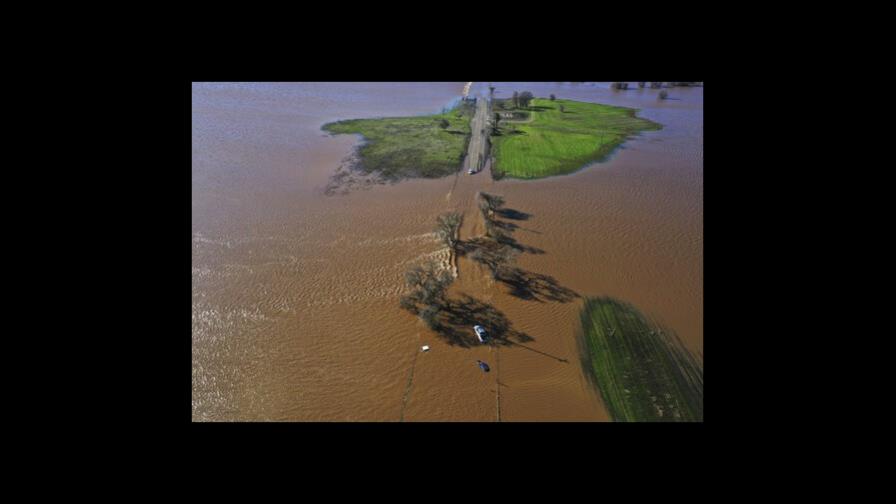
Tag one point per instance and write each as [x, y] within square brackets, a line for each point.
[513, 243]
[453, 318]
[509, 213]
[456, 318]
[498, 254]
[558, 359]
[533, 286]
[506, 226]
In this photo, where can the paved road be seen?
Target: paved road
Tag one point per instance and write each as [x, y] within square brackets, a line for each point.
[476, 151]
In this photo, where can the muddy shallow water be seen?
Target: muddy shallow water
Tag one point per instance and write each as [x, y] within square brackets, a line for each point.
[295, 293]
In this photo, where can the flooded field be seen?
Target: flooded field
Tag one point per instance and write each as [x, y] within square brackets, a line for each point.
[295, 293]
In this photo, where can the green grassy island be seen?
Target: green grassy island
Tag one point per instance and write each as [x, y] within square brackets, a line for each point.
[555, 137]
[404, 147]
[643, 373]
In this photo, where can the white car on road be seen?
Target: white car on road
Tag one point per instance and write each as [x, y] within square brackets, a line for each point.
[480, 333]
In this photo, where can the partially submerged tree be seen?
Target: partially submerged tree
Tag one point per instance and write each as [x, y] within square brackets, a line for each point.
[504, 257]
[663, 95]
[429, 283]
[493, 201]
[494, 231]
[494, 255]
[479, 255]
[507, 254]
[484, 208]
[447, 226]
[429, 314]
[641, 84]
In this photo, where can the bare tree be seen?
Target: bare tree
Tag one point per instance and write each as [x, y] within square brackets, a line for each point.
[484, 208]
[447, 226]
[429, 283]
[494, 201]
[429, 314]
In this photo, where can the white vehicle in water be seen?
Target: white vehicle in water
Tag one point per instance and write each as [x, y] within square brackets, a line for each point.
[471, 171]
[480, 333]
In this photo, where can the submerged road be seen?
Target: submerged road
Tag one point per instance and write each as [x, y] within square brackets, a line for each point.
[476, 151]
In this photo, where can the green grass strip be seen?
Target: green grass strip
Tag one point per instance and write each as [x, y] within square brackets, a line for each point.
[556, 142]
[405, 147]
[643, 372]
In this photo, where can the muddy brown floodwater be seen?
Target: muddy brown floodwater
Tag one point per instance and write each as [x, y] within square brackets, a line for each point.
[295, 293]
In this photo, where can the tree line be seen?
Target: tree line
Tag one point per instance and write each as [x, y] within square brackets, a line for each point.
[429, 282]
[521, 99]
[495, 252]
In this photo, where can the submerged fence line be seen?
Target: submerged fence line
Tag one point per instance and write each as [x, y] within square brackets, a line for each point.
[498, 380]
[407, 389]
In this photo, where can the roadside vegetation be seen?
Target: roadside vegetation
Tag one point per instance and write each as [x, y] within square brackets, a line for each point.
[452, 318]
[643, 372]
[430, 146]
[428, 282]
[447, 226]
[497, 250]
[558, 136]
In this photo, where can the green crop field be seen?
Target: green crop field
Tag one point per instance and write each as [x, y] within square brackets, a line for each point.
[554, 142]
[643, 372]
[403, 147]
